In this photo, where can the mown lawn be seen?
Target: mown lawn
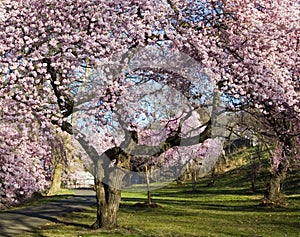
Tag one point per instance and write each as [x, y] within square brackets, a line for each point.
[222, 210]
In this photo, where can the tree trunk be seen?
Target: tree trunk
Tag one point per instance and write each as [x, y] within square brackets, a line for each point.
[108, 201]
[109, 175]
[253, 178]
[195, 166]
[284, 151]
[253, 173]
[273, 195]
[213, 177]
[194, 180]
[149, 201]
[56, 180]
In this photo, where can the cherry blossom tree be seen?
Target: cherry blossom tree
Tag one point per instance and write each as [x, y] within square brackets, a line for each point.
[50, 49]
[47, 49]
[171, 164]
[252, 50]
[61, 156]
[47, 46]
[146, 124]
[25, 156]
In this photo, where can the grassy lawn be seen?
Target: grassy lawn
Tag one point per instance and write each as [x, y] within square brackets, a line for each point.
[222, 210]
[227, 209]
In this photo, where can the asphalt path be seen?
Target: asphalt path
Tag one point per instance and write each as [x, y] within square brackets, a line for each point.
[15, 222]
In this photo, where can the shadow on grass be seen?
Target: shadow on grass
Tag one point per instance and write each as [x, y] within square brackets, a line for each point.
[211, 205]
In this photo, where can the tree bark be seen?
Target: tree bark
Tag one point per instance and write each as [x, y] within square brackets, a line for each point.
[273, 195]
[56, 180]
[149, 200]
[110, 166]
[109, 175]
[213, 177]
[108, 201]
[195, 166]
[194, 181]
[253, 178]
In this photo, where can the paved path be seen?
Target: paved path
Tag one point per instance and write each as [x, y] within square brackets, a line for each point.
[13, 222]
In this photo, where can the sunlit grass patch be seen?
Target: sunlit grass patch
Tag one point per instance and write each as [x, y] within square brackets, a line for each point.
[184, 213]
[229, 208]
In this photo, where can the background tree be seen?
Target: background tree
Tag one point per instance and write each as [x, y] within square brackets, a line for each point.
[61, 154]
[25, 155]
[252, 50]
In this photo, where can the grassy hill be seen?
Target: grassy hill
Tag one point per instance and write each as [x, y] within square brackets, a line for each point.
[238, 170]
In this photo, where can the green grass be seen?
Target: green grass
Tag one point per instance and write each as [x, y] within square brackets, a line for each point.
[59, 195]
[227, 209]
[212, 211]
[64, 191]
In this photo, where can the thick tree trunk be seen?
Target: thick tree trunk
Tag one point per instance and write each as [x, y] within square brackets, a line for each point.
[273, 195]
[110, 167]
[108, 201]
[109, 175]
[56, 180]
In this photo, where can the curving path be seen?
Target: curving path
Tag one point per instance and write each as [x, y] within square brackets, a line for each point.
[13, 222]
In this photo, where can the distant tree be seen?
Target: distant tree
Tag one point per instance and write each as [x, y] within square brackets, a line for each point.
[252, 50]
[61, 155]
